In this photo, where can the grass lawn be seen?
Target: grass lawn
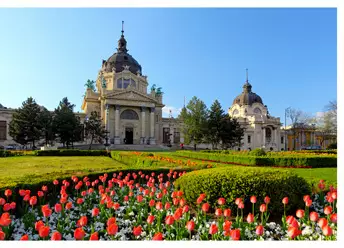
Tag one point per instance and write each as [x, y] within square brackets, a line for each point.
[32, 170]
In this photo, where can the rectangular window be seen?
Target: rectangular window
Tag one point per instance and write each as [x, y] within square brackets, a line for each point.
[282, 139]
[249, 139]
[3, 130]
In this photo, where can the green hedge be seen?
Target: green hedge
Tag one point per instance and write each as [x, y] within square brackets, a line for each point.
[232, 183]
[283, 161]
[72, 152]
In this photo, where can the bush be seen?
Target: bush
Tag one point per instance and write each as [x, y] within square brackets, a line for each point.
[258, 152]
[72, 152]
[232, 183]
[332, 146]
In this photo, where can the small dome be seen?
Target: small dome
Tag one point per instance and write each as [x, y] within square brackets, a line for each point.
[122, 59]
[247, 97]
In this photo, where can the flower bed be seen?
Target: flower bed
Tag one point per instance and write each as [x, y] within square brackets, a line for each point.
[145, 206]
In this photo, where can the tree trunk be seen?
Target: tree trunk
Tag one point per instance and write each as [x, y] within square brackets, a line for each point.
[195, 147]
[89, 148]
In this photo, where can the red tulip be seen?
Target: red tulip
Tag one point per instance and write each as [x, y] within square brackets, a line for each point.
[293, 232]
[314, 216]
[26, 198]
[327, 210]
[300, 213]
[82, 221]
[227, 226]
[167, 205]
[58, 207]
[7, 207]
[38, 225]
[227, 212]
[221, 201]
[260, 230]
[40, 194]
[2, 201]
[5, 219]
[55, 182]
[185, 209]
[158, 236]
[235, 234]
[262, 208]
[218, 212]
[95, 212]
[33, 200]
[44, 231]
[190, 225]
[213, 229]
[308, 202]
[322, 222]
[253, 199]
[111, 221]
[2, 235]
[139, 198]
[8, 193]
[150, 219]
[205, 207]
[175, 201]
[327, 231]
[238, 200]
[182, 202]
[94, 236]
[241, 205]
[24, 237]
[267, 199]
[285, 200]
[159, 206]
[169, 220]
[333, 218]
[250, 218]
[137, 231]
[151, 203]
[69, 205]
[79, 233]
[112, 229]
[56, 236]
[79, 201]
[44, 188]
[306, 198]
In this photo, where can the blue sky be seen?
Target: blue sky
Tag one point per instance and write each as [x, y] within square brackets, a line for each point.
[291, 54]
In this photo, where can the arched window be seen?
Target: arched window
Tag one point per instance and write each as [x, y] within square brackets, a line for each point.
[235, 112]
[257, 111]
[129, 115]
[126, 83]
[268, 135]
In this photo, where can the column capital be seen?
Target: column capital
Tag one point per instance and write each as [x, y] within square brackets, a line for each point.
[117, 107]
[152, 109]
[143, 108]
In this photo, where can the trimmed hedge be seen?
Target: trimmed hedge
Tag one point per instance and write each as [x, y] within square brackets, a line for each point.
[72, 152]
[284, 161]
[233, 183]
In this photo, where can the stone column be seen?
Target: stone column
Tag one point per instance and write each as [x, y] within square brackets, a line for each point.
[152, 125]
[264, 137]
[275, 136]
[143, 125]
[117, 134]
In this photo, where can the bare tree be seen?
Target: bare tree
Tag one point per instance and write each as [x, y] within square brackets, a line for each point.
[299, 121]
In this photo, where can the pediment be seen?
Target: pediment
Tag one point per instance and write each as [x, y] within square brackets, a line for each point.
[130, 95]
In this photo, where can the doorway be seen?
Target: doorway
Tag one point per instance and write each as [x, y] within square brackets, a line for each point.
[129, 135]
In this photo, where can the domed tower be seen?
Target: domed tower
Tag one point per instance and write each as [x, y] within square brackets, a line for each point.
[261, 129]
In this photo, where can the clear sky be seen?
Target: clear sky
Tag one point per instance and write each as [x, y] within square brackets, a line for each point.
[291, 54]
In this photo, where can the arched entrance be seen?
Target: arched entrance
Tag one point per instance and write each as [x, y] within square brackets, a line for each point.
[131, 115]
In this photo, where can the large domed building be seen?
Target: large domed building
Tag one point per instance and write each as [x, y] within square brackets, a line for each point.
[131, 115]
[261, 129]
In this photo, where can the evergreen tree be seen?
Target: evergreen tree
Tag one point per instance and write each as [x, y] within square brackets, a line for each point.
[46, 122]
[94, 128]
[195, 121]
[65, 123]
[223, 129]
[215, 124]
[25, 125]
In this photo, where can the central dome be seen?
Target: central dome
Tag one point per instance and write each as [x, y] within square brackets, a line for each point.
[247, 97]
[122, 59]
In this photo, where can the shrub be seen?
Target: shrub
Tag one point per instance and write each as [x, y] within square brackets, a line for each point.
[232, 183]
[71, 152]
[258, 152]
[332, 146]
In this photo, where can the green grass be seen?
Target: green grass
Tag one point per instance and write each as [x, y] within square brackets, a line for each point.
[32, 170]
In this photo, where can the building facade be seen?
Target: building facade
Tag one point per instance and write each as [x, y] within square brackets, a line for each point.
[261, 129]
